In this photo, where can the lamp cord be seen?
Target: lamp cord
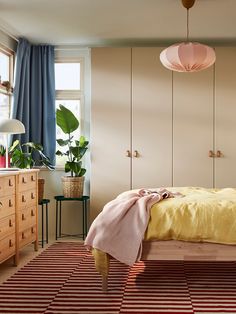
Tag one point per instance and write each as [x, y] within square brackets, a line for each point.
[187, 25]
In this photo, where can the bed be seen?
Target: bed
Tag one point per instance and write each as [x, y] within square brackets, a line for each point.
[199, 225]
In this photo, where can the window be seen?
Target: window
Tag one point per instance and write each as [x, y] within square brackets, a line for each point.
[6, 83]
[69, 93]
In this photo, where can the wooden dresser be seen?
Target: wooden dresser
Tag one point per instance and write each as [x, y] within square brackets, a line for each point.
[18, 212]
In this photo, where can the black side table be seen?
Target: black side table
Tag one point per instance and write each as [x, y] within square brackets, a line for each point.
[43, 203]
[59, 199]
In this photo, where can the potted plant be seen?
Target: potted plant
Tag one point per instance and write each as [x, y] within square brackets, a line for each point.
[26, 159]
[74, 150]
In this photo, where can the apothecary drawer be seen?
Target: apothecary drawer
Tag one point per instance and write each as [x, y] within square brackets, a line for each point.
[7, 247]
[7, 226]
[7, 206]
[27, 198]
[27, 181]
[7, 185]
[27, 218]
[27, 236]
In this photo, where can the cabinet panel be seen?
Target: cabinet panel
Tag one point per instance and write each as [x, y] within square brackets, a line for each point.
[225, 117]
[7, 247]
[110, 125]
[193, 107]
[7, 185]
[7, 206]
[151, 119]
[27, 181]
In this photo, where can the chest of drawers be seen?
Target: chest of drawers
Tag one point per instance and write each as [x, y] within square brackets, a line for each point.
[18, 212]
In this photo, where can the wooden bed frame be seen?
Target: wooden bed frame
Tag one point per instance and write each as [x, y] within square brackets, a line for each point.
[180, 250]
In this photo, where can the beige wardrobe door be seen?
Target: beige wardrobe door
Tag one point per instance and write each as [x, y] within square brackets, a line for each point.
[151, 120]
[225, 117]
[193, 104]
[110, 125]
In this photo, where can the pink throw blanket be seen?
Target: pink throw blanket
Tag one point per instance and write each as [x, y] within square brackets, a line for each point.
[119, 229]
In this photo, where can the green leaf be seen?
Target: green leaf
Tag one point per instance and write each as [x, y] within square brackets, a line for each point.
[22, 160]
[67, 167]
[35, 146]
[82, 142]
[66, 120]
[59, 153]
[62, 142]
[14, 145]
[82, 172]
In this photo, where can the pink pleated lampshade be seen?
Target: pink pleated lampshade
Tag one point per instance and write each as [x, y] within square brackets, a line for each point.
[188, 57]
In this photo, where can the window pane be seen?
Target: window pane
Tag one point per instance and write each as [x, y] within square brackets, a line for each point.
[74, 106]
[4, 106]
[4, 67]
[67, 76]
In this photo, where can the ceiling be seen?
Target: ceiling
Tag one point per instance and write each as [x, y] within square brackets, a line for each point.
[118, 22]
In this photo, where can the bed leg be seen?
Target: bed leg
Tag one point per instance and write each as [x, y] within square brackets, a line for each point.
[104, 283]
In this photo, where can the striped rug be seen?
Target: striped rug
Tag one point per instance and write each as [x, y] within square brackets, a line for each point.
[63, 280]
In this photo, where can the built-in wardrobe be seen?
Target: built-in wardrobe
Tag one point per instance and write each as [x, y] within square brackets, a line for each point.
[151, 127]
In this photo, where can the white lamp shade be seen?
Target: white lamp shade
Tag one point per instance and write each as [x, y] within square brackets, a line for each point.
[188, 57]
[11, 126]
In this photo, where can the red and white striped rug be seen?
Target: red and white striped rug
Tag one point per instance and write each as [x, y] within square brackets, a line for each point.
[63, 280]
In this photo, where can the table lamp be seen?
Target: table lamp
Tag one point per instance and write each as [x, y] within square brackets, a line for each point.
[10, 126]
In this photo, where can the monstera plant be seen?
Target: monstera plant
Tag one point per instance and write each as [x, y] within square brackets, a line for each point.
[73, 149]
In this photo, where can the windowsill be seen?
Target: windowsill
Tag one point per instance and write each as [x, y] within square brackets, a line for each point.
[57, 168]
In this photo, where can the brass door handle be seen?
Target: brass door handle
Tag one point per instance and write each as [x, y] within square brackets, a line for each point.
[136, 154]
[219, 154]
[128, 154]
[211, 153]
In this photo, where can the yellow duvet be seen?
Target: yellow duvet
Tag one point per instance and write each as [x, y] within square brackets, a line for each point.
[207, 215]
[200, 215]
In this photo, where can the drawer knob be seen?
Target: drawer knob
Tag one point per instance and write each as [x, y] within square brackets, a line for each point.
[32, 213]
[1, 204]
[10, 182]
[32, 196]
[23, 235]
[23, 217]
[32, 230]
[32, 178]
[23, 199]
[10, 223]
[24, 180]
[10, 203]
[10, 243]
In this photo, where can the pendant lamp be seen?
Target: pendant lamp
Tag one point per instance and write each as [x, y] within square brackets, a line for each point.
[188, 56]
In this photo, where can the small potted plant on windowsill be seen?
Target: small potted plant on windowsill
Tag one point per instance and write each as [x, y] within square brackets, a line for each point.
[31, 157]
[75, 149]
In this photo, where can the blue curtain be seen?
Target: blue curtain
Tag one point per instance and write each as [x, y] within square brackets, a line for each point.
[34, 95]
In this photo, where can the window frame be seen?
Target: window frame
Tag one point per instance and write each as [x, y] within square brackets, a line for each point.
[3, 90]
[72, 94]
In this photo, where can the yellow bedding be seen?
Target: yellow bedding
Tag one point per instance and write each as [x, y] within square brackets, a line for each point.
[201, 215]
[206, 215]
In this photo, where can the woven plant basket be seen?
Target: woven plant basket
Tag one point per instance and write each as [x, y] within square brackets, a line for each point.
[40, 189]
[73, 186]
